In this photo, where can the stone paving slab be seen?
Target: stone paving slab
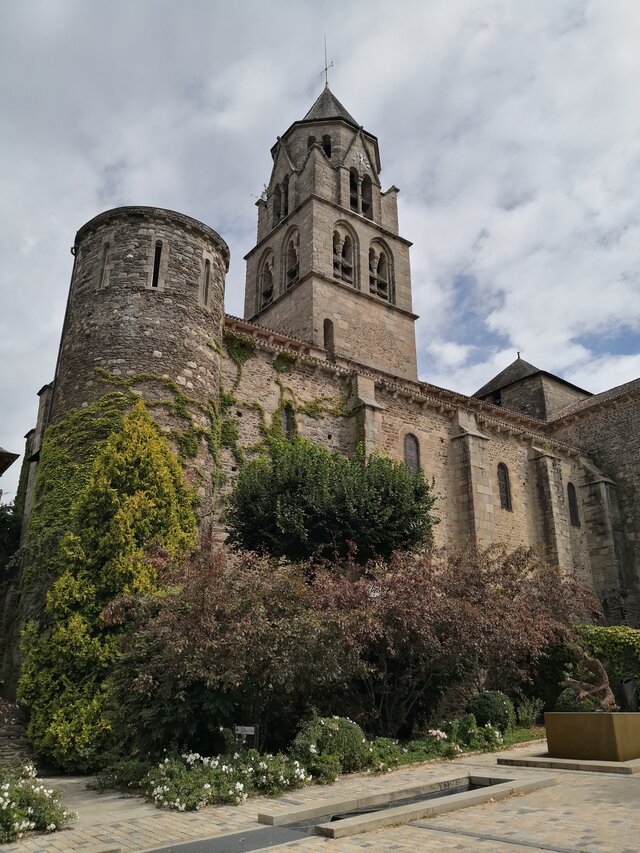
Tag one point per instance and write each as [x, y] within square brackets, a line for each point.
[546, 761]
[583, 813]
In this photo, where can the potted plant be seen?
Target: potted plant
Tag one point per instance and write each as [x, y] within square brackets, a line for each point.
[596, 730]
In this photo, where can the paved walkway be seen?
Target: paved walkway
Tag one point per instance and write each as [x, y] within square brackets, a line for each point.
[583, 813]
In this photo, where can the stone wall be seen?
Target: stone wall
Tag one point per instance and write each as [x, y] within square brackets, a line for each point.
[117, 320]
[127, 319]
[459, 449]
[540, 396]
[609, 431]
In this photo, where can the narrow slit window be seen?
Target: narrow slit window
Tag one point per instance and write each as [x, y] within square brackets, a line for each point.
[277, 203]
[411, 452]
[367, 208]
[156, 264]
[207, 279]
[287, 422]
[326, 145]
[105, 258]
[353, 189]
[329, 343]
[503, 486]
[574, 515]
[285, 196]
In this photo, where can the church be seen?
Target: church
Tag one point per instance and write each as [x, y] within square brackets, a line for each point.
[327, 350]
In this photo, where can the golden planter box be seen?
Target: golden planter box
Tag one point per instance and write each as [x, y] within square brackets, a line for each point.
[593, 736]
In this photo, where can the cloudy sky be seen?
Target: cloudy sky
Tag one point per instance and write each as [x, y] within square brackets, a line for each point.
[512, 128]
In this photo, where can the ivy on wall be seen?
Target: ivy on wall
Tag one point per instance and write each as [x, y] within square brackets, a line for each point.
[132, 499]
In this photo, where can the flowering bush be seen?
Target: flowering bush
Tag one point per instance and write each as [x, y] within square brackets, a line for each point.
[387, 754]
[192, 781]
[333, 736]
[492, 706]
[26, 804]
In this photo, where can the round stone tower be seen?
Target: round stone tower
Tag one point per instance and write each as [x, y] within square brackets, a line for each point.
[146, 297]
[146, 307]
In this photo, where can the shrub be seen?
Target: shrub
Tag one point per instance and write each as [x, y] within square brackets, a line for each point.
[125, 775]
[301, 501]
[618, 646]
[492, 706]
[27, 804]
[568, 701]
[237, 637]
[191, 781]
[323, 768]
[333, 736]
[386, 754]
[134, 499]
[529, 711]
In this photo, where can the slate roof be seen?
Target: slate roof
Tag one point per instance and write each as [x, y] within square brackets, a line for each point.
[518, 369]
[6, 459]
[327, 106]
[605, 397]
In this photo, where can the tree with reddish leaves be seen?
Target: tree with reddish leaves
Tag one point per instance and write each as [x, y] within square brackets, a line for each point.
[440, 619]
[234, 639]
[247, 639]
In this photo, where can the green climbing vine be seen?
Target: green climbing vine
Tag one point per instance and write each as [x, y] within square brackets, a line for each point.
[240, 348]
[130, 499]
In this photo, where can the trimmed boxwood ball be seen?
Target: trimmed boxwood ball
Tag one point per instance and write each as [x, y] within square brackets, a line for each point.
[568, 701]
[492, 706]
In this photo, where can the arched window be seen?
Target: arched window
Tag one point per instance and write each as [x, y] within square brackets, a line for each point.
[287, 421]
[380, 277]
[311, 141]
[326, 145]
[411, 452]
[292, 265]
[367, 209]
[266, 282]
[156, 264]
[353, 189]
[503, 486]
[346, 262]
[277, 204]
[329, 344]
[206, 282]
[344, 255]
[574, 515]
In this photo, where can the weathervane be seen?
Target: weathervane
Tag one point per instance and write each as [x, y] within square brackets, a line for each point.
[326, 66]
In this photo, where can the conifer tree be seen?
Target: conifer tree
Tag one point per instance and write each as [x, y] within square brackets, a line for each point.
[135, 500]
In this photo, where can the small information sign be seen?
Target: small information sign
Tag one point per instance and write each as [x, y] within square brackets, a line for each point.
[245, 730]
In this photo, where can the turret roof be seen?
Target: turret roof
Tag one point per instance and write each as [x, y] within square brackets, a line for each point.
[327, 106]
[518, 369]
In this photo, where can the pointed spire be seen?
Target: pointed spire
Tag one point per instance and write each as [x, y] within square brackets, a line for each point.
[327, 106]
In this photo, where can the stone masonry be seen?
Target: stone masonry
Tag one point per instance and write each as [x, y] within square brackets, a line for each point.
[329, 335]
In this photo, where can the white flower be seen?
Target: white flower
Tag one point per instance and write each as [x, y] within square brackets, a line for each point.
[206, 786]
[312, 749]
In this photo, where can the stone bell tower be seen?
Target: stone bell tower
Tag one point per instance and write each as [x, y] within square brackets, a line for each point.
[329, 265]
